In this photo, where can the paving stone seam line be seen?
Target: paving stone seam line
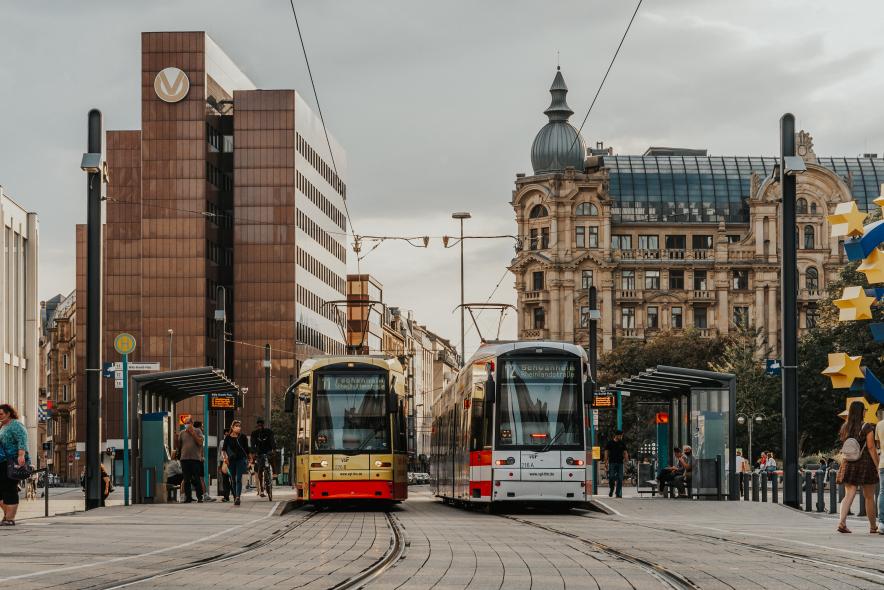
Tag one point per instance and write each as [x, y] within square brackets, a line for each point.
[391, 556]
[209, 560]
[670, 578]
[140, 555]
[868, 574]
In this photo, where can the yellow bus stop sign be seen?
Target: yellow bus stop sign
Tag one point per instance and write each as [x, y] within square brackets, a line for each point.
[124, 343]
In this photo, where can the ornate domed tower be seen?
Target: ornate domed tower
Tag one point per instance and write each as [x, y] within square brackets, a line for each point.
[555, 147]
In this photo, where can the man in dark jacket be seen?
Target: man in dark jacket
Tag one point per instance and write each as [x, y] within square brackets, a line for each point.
[263, 446]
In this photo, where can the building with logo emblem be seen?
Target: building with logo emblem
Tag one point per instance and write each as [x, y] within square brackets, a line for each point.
[19, 313]
[672, 239]
[225, 189]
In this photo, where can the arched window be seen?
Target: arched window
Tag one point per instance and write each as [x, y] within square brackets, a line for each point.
[801, 207]
[813, 208]
[808, 237]
[587, 209]
[812, 279]
[538, 211]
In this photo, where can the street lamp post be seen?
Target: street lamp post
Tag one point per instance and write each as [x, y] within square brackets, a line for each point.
[461, 215]
[749, 419]
[171, 336]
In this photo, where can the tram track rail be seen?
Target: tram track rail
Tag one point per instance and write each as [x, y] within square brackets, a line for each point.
[668, 577]
[393, 553]
[859, 572]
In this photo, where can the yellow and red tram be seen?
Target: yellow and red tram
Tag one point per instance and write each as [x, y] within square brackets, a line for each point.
[350, 416]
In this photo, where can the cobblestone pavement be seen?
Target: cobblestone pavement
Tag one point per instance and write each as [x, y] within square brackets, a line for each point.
[642, 543]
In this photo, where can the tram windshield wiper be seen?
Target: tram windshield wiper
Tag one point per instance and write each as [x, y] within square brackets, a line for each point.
[556, 438]
[376, 432]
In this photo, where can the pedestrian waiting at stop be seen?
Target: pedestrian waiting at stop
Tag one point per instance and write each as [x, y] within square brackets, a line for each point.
[668, 474]
[13, 459]
[190, 448]
[223, 476]
[615, 456]
[879, 436]
[236, 455]
[683, 483]
[860, 465]
[204, 485]
[106, 486]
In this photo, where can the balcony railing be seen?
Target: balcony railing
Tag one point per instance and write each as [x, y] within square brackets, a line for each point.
[534, 296]
[631, 332]
[810, 294]
[664, 255]
[704, 294]
[628, 294]
[535, 334]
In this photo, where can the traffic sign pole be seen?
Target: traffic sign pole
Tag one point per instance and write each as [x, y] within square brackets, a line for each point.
[206, 441]
[125, 430]
[619, 410]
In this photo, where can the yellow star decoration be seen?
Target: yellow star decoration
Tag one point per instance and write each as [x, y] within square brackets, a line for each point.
[854, 305]
[873, 266]
[843, 369]
[871, 415]
[847, 220]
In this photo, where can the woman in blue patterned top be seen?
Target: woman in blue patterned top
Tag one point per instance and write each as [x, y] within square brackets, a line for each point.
[13, 448]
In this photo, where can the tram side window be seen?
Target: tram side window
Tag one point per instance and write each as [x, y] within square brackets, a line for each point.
[401, 428]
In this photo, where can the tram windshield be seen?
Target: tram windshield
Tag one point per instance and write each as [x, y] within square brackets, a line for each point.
[350, 413]
[538, 405]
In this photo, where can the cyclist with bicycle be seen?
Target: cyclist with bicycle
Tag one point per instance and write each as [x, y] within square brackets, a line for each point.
[263, 446]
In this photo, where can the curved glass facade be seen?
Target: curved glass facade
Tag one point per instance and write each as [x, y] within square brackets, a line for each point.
[709, 189]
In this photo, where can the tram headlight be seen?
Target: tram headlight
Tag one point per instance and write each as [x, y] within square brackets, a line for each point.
[382, 464]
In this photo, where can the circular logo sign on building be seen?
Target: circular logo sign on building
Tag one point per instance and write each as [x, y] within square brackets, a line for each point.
[124, 343]
[171, 85]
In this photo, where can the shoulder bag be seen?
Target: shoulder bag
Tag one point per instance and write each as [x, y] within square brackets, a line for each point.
[17, 472]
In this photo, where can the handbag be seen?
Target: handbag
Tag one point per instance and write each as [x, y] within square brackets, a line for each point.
[17, 472]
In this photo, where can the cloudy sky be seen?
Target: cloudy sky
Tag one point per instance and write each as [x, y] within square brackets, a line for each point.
[437, 103]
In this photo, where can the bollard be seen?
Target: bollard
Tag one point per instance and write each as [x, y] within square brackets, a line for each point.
[745, 478]
[820, 492]
[775, 488]
[862, 501]
[833, 492]
[764, 487]
[754, 487]
[808, 492]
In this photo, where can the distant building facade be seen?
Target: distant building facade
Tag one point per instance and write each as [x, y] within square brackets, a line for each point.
[672, 239]
[19, 313]
[59, 387]
[226, 191]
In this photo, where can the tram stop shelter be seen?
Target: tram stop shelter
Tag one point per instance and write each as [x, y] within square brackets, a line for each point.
[152, 412]
[702, 414]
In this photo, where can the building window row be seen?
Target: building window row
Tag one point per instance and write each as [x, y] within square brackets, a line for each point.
[321, 271]
[676, 280]
[315, 160]
[314, 302]
[321, 237]
[801, 207]
[320, 200]
[218, 178]
[670, 242]
[218, 216]
[586, 236]
[319, 341]
[218, 142]
[219, 254]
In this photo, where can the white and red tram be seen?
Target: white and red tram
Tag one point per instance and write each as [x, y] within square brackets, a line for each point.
[512, 427]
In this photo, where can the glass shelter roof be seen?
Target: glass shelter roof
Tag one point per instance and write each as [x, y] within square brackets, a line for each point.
[709, 189]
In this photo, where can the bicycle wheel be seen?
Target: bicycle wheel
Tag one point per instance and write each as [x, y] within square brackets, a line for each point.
[268, 483]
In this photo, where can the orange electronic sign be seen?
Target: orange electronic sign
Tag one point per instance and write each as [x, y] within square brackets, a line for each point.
[604, 399]
[662, 418]
[222, 402]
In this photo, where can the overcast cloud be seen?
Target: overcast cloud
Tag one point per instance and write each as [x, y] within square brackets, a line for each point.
[437, 103]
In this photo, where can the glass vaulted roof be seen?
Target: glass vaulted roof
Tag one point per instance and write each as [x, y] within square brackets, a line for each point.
[709, 189]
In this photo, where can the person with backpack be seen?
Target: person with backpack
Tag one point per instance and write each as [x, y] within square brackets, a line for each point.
[859, 466]
[235, 451]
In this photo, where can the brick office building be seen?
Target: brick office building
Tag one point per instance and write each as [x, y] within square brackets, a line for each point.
[224, 185]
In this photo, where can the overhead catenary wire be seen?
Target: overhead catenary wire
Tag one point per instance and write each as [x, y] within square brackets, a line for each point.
[605, 77]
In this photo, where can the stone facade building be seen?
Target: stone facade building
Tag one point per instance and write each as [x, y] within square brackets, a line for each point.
[59, 358]
[672, 239]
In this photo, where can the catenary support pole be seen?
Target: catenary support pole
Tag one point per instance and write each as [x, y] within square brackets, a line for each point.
[593, 365]
[221, 353]
[93, 317]
[789, 309]
[267, 385]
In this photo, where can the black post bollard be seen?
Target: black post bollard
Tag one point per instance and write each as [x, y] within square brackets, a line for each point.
[775, 488]
[764, 487]
[820, 492]
[862, 501]
[746, 481]
[808, 492]
[754, 487]
[833, 492]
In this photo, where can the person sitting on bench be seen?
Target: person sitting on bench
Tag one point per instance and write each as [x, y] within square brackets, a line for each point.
[668, 475]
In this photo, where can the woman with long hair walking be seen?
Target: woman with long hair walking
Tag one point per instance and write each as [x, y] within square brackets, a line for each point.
[13, 451]
[236, 454]
[862, 471]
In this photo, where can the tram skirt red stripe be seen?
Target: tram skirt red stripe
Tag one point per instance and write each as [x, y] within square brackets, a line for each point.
[484, 488]
[351, 490]
[480, 458]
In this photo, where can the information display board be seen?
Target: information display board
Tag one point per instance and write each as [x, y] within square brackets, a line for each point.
[604, 399]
